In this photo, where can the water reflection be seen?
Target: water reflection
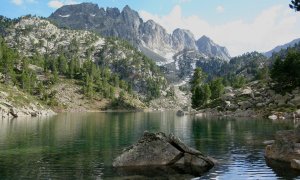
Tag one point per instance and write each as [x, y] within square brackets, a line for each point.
[83, 145]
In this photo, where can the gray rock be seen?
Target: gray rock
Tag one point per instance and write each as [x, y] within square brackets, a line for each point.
[228, 96]
[296, 100]
[269, 142]
[295, 164]
[273, 117]
[156, 149]
[297, 113]
[247, 91]
[284, 147]
[228, 90]
[245, 105]
[180, 113]
[271, 92]
[271, 105]
[295, 91]
[259, 105]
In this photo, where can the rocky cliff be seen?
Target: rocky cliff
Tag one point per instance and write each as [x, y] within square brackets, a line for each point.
[32, 35]
[149, 37]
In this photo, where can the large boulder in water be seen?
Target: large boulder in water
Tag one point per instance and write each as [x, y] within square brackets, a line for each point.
[286, 148]
[157, 149]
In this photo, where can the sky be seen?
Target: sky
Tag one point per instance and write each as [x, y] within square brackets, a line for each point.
[240, 25]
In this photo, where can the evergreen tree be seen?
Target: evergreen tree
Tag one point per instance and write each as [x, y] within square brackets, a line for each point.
[88, 87]
[206, 94]
[25, 76]
[62, 64]
[7, 61]
[285, 72]
[197, 97]
[295, 4]
[71, 70]
[197, 79]
[217, 88]
[263, 74]
[238, 82]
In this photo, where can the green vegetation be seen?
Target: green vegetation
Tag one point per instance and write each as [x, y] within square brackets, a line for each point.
[112, 72]
[295, 4]
[285, 72]
[96, 81]
[217, 88]
[203, 92]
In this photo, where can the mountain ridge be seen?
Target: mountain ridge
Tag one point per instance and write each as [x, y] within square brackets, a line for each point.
[127, 24]
[282, 47]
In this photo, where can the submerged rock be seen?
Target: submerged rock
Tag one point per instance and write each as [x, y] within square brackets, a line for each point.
[157, 149]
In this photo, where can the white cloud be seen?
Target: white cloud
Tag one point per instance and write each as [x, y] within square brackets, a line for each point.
[273, 26]
[21, 2]
[55, 4]
[220, 9]
[17, 2]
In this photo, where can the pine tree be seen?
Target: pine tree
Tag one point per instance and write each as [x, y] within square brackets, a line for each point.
[197, 97]
[71, 69]
[206, 94]
[198, 78]
[7, 62]
[295, 4]
[88, 88]
[62, 65]
[217, 88]
[25, 77]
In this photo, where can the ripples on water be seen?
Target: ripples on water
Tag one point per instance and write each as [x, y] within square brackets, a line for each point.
[82, 146]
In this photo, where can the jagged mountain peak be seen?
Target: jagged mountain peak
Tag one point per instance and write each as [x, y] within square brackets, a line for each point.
[183, 39]
[127, 24]
[211, 49]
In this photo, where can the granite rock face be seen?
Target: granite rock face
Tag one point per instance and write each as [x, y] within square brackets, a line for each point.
[127, 24]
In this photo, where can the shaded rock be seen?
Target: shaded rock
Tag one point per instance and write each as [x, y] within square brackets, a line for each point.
[285, 147]
[295, 164]
[157, 149]
[228, 96]
[180, 113]
[296, 100]
[245, 104]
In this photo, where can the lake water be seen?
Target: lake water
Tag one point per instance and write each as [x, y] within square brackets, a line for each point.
[83, 146]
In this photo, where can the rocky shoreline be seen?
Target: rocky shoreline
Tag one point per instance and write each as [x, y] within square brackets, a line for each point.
[15, 104]
[256, 99]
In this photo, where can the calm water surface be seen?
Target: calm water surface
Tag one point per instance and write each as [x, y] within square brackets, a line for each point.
[83, 146]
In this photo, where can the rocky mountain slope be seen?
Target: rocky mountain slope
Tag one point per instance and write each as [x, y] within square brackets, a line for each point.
[247, 65]
[150, 37]
[32, 35]
[15, 103]
[256, 99]
[282, 47]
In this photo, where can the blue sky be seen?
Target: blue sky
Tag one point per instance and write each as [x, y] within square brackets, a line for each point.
[240, 25]
[233, 9]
